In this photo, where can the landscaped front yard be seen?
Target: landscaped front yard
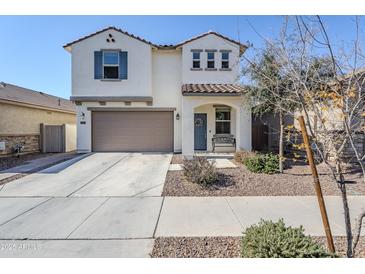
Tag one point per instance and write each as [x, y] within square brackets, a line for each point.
[295, 181]
[224, 247]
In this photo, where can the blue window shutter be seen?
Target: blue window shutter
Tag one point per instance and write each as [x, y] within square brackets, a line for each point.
[123, 65]
[98, 64]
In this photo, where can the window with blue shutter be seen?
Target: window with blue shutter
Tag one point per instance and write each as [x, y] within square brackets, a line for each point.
[98, 64]
[123, 65]
[112, 65]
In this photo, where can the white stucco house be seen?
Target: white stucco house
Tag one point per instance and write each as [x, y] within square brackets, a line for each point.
[134, 95]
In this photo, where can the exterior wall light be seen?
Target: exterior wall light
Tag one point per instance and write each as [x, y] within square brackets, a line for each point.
[177, 116]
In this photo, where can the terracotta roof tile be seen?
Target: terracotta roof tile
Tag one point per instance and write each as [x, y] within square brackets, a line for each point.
[242, 46]
[212, 89]
[109, 28]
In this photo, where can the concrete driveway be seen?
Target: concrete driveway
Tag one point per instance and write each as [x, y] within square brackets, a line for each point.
[96, 205]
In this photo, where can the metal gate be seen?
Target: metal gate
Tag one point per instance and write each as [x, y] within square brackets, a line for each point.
[52, 138]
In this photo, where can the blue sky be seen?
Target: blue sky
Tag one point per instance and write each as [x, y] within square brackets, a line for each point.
[31, 53]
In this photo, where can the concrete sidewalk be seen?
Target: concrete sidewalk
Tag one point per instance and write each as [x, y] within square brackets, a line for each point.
[230, 216]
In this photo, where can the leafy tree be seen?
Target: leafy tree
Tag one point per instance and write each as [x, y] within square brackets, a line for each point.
[269, 92]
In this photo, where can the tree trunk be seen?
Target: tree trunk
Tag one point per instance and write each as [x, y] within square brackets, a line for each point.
[281, 142]
[346, 210]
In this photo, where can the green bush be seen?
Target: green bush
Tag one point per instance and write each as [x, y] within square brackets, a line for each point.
[263, 163]
[199, 170]
[275, 240]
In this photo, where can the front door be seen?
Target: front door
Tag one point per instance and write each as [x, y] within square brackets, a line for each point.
[200, 131]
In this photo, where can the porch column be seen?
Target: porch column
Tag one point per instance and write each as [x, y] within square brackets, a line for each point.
[187, 119]
[238, 129]
[245, 128]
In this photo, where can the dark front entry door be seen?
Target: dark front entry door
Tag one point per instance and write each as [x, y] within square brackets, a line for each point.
[200, 131]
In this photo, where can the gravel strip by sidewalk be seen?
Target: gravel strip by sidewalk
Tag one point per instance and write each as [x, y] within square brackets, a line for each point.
[13, 161]
[223, 247]
[21, 175]
[296, 181]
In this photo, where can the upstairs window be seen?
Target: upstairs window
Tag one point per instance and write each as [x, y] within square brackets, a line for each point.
[210, 60]
[225, 60]
[196, 59]
[223, 121]
[110, 64]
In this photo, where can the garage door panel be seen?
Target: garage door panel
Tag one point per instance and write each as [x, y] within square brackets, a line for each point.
[132, 131]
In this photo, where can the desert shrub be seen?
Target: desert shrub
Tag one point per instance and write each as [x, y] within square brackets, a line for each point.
[275, 240]
[242, 155]
[263, 163]
[199, 170]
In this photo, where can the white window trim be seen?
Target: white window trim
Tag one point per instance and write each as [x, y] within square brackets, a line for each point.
[196, 59]
[211, 59]
[110, 65]
[224, 60]
[230, 124]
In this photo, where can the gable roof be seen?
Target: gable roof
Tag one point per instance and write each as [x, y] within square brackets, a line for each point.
[105, 29]
[15, 94]
[242, 46]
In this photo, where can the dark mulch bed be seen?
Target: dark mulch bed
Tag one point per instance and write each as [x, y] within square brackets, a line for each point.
[223, 247]
[13, 161]
[295, 181]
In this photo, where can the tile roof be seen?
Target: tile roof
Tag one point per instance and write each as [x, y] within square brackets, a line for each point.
[13, 93]
[242, 46]
[109, 28]
[212, 89]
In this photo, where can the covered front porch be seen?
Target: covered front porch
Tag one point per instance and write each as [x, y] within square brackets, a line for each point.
[215, 123]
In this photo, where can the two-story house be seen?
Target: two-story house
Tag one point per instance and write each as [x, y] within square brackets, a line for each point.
[133, 95]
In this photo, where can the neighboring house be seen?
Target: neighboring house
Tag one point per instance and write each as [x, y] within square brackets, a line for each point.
[133, 95]
[22, 113]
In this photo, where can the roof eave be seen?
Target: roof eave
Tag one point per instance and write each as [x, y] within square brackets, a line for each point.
[210, 94]
[69, 48]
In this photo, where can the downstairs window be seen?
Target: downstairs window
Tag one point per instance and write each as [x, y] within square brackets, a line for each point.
[223, 121]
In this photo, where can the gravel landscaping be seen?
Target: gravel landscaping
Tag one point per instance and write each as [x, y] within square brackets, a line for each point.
[13, 161]
[295, 181]
[35, 156]
[223, 247]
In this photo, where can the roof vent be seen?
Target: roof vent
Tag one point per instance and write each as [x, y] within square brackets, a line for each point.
[2, 85]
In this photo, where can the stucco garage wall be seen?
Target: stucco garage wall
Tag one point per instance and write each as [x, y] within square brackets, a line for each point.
[166, 86]
[139, 67]
[166, 92]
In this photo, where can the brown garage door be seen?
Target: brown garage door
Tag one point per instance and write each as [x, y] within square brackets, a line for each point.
[132, 131]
